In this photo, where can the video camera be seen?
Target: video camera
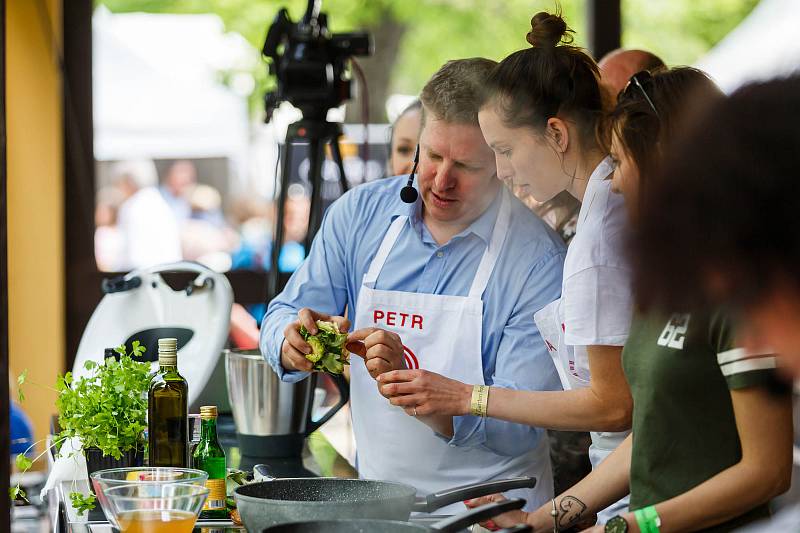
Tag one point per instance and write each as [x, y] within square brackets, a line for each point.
[309, 62]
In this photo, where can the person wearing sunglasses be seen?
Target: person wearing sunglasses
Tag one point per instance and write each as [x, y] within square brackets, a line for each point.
[734, 175]
[617, 67]
[541, 113]
[711, 442]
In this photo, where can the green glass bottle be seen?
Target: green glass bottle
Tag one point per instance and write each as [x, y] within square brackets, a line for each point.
[208, 455]
[167, 410]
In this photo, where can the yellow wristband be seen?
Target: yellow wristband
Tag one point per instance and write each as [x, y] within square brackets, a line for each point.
[480, 400]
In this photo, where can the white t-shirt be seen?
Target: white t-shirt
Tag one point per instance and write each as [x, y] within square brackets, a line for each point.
[149, 231]
[596, 297]
[596, 300]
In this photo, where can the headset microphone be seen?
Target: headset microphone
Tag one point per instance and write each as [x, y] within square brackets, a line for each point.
[408, 193]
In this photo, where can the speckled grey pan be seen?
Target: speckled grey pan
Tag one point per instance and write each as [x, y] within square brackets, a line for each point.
[449, 525]
[270, 503]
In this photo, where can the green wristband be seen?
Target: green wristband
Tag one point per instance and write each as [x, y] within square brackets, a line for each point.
[648, 519]
[652, 516]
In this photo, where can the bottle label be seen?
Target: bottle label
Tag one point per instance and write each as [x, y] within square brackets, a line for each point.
[216, 495]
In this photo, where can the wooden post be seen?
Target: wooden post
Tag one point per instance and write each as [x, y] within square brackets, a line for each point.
[5, 427]
[82, 284]
[604, 25]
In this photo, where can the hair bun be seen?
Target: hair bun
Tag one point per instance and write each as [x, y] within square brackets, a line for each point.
[548, 30]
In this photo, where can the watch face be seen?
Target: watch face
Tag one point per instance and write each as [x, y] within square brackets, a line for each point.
[616, 525]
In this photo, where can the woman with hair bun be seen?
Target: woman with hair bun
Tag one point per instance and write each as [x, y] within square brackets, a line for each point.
[543, 108]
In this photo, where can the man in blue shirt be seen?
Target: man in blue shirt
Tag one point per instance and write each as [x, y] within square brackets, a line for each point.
[448, 283]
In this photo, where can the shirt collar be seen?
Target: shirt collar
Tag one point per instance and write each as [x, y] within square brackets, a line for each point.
[481, 227]
[602, 170]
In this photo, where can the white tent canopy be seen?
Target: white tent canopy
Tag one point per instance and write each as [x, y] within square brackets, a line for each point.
[765, 45]
[156, 88]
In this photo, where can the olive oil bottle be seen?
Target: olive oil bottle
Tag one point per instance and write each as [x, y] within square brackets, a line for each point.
[167, 410]
[208, 455]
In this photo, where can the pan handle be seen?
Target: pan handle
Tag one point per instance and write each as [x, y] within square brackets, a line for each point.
[344, 395]
[478, 514]
[519, 528]
[437, 500]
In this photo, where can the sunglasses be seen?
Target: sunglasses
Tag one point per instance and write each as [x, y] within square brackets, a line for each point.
[638, 81]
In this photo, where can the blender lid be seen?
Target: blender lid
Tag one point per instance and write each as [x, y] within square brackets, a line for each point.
[142, 306]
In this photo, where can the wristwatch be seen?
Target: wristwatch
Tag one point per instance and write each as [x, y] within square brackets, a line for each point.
[616, 525]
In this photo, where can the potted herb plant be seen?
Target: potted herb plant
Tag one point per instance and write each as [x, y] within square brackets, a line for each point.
[106, 411]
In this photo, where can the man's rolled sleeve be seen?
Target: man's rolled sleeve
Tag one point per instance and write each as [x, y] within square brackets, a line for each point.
[320, 283]
[521, 363]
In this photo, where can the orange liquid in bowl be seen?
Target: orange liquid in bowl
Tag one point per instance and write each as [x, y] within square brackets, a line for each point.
[150, 521]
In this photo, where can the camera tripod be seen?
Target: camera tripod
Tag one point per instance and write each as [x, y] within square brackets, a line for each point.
[317, 133]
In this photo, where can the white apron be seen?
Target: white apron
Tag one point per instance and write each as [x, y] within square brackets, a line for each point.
[442, 334]
[572, 364]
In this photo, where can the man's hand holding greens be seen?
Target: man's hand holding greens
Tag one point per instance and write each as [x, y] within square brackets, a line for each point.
[295, 348]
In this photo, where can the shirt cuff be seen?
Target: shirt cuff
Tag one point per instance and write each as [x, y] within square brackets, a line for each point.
[274, 360]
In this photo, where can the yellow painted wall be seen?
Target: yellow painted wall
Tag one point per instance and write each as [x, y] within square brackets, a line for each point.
[35, 205]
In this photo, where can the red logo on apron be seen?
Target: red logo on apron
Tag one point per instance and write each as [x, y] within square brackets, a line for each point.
[412, 363]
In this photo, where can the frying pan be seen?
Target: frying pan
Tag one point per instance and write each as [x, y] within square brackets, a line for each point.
[448, 525]
[270, 503]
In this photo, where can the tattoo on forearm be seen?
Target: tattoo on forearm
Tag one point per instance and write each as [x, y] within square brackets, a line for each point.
[570, 510]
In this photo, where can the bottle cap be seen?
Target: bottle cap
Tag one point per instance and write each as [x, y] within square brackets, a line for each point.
[168, 351]
[208, 412]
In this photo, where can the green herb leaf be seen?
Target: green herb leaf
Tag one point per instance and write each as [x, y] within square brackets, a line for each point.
[328, 352]
[108, 407]
[20, 382]
[82, 502]
[138, 349]
[230, 504]
[17, 493]
[237, 476]
[23, 463]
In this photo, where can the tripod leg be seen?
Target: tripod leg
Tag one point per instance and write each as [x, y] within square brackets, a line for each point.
[337, 157]
[286, 169]
[316, 157]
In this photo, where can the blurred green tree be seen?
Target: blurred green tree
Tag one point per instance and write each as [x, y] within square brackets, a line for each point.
[414, 37]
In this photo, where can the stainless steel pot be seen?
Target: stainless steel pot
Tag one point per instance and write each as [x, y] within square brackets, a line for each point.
[272, 417]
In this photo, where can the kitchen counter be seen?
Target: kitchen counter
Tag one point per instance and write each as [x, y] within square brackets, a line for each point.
[318, 458]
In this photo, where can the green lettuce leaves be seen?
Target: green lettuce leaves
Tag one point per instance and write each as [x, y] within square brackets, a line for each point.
[329, 353]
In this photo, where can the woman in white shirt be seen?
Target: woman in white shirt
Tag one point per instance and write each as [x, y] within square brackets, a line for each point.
[543, 110]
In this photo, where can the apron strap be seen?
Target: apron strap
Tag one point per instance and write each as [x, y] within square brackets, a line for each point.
[492, 252]
[383, 252]
[486, 266]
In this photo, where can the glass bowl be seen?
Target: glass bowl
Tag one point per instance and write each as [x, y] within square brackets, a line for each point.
[103, 480]
[154, 507]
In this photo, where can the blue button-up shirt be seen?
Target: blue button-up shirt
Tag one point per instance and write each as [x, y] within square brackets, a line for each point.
[526, 277]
